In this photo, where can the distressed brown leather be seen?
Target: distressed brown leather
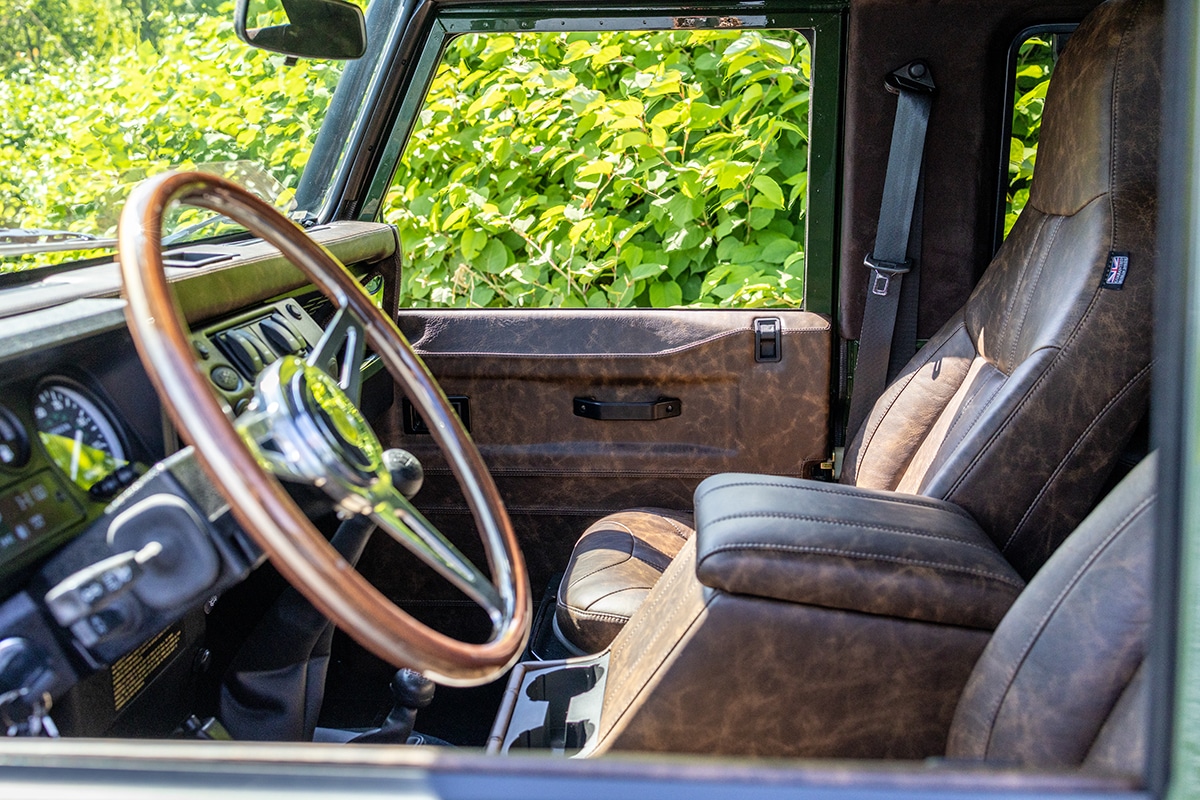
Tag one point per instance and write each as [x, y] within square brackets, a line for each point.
[1120, 747]
[1050, 689]
[1044, 373]
[852, 549]
[613, 567]
[522, 371]
[700, 670]
[1016, 410]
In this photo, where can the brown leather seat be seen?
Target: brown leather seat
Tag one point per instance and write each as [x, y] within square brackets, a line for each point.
[1063, 683]
[1017, 410]
[882, 652]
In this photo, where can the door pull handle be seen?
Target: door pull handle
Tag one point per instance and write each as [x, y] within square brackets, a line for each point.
[662, 408]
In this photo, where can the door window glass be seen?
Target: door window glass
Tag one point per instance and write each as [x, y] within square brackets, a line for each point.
[613, 169]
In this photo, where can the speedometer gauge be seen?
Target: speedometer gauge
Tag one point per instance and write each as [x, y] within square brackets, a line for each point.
[78, 436]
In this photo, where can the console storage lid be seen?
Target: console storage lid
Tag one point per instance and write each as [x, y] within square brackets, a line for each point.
[852, 549]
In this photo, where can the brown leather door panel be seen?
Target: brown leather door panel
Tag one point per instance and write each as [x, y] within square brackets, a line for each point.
[522, 371]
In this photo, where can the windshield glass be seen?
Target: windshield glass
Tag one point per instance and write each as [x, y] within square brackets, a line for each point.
[99, 94]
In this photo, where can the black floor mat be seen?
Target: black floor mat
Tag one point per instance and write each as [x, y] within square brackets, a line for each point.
[357, 696]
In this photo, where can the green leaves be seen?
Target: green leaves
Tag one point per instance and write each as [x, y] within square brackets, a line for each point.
[1034, 65]
[77, 132]
[771, 196]
[633, 168]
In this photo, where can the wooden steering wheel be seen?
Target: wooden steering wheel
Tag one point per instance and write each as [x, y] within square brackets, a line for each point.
[304, 426]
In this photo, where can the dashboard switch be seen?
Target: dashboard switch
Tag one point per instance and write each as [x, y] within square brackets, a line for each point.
[88, 591]
[280, 335]
[226, 378]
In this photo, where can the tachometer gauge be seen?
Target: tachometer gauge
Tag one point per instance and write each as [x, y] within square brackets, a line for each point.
[78, 436]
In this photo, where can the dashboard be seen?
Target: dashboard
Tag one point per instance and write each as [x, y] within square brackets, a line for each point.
[113, 544]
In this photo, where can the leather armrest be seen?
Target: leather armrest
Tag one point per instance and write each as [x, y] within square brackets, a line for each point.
[853, 549]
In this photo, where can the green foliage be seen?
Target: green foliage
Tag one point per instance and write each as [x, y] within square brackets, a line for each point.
[1035, 61]
[77, 133]
[34, 32]
[608, 170]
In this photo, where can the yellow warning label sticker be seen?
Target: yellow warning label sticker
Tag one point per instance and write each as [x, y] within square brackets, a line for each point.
[131, 673]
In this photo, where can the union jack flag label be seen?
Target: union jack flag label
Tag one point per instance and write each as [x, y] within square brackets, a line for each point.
[1115, 271]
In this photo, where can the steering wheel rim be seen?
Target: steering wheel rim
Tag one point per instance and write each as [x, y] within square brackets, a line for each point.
[240, 472]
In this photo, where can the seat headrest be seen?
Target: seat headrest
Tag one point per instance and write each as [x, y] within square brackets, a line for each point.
[1101, 124]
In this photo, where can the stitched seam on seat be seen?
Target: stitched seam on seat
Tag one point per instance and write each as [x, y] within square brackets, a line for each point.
[628, 557]
[616, 592]
[855, 525]
[867, 556]
[910, 500]
[1029, 293]
[642, 621]
[676, 527]
[1075, 447]
[671, 582]
[596, 616]
[657, 669]
[589, 610]
[1006, 320]
[1113, 119]
[869, 436]
[1039, 629]
[979, 415]
[1054, 363]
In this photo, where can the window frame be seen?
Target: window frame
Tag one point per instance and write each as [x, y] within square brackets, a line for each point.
[1006, 123]
[824, 29]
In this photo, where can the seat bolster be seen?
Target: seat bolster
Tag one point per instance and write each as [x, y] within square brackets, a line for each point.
[852, 549]
[612, 568]
[1070, 646]
[900, 420]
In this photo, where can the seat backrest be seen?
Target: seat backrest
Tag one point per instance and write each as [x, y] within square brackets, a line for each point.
[1061, 683]
[1018, 409]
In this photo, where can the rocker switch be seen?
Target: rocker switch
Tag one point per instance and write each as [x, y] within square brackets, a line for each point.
[767, 339]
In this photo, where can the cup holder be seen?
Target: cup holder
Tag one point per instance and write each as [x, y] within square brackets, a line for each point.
[558, 709]
[567, 739]
[564, 683]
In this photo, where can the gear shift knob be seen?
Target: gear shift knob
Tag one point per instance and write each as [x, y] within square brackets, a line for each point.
[410, 690]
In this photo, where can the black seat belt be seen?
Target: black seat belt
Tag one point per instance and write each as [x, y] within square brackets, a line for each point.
[886, 318]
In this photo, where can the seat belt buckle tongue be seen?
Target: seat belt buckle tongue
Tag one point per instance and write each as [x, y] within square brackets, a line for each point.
[883, 272]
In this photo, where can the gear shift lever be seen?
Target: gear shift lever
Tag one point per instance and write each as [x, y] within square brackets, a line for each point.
[411, 691]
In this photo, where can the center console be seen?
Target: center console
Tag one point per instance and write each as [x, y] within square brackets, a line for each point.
[803, 619]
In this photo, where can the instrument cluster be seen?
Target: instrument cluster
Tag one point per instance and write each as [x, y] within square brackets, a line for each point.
[62, 450]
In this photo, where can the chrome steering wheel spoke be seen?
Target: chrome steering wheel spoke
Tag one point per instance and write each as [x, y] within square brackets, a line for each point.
[395, 515]
[345, 337]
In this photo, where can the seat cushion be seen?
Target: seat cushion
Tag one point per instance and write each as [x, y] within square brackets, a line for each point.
[614, 565]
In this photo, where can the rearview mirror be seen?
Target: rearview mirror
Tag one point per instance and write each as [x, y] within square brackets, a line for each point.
[329, 29]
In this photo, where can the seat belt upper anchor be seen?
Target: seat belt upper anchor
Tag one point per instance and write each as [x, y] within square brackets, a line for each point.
[913, 77]
[883, 272]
